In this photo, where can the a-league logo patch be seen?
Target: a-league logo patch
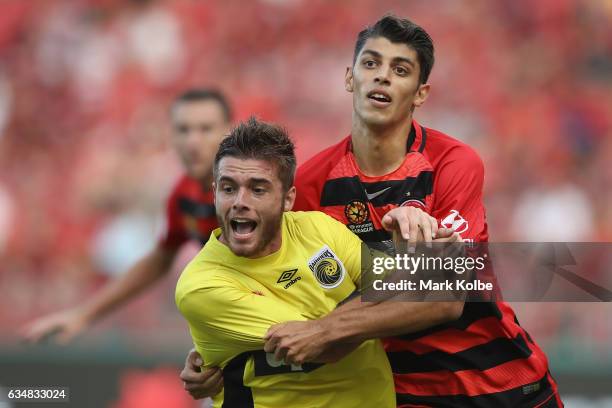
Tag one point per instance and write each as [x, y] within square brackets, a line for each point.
[327, 268]
[356, 212]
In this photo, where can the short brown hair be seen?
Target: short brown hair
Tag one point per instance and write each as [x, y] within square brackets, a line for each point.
[259, 140]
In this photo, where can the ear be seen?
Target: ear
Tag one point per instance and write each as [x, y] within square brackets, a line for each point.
[421, 95]
[348, 79]
[289, 199]
[214, 189]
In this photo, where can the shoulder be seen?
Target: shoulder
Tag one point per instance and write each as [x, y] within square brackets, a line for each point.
[321, 163]
[205, 271]
[443, 150]
[312, 175]
[312, 222]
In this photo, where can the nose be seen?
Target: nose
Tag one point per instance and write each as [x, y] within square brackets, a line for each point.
[241, 200]
[383, 75]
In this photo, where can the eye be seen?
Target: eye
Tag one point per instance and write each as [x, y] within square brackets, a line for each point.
[399, 70]
[182, 129]
[369, 63]
[227, 189]
[259, 190]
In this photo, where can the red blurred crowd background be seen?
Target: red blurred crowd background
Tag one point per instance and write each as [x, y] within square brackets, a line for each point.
[85, 88]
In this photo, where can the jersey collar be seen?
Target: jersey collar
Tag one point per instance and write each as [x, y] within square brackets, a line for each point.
[415, 142]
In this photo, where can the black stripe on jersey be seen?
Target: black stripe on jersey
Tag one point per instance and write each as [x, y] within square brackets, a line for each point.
[481, 357]
[411, 138]
[236, 395]
[513, 398]
[196, 209]
[262, 366]
[415, 188]
[423, 139]
[343, 190]
[472, 312]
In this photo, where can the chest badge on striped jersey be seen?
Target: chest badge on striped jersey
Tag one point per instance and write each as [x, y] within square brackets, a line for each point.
[357, 214]
[327, 268]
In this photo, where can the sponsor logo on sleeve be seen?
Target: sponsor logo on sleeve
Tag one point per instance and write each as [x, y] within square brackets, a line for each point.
[455, 221]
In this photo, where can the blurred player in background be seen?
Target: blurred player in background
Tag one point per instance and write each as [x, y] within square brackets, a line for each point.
[390, 174]
[200, 118]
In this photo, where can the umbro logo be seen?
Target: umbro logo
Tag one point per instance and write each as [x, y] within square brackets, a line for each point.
[288, 276]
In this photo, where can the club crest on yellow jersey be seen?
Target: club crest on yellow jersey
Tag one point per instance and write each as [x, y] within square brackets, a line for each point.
[327, 268]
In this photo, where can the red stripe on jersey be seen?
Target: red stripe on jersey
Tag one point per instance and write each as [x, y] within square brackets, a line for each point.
[473, 382]
[455, 340]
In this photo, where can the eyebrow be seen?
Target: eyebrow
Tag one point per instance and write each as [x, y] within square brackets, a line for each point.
[395, 59]
[254, 180]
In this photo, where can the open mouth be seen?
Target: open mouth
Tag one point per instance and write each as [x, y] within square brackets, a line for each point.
[241, 226]
[380, 97]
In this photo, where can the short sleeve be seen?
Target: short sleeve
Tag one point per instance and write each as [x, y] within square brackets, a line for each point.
[174, 234]
[458, 194]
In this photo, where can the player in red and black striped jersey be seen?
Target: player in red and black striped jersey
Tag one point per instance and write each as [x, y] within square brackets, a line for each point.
[372, 181]
[200, 118]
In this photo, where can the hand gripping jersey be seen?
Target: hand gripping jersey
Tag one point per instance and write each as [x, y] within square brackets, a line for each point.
[230, 302]
[190, 214]
[483, 359]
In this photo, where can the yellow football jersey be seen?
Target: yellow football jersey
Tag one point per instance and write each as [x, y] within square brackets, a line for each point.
[230, 302]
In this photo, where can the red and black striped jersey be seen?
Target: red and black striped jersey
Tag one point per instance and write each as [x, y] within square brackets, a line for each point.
[190, 214]
[485, 357]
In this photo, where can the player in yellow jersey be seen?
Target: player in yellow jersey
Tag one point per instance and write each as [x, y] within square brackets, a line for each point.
[264, 266]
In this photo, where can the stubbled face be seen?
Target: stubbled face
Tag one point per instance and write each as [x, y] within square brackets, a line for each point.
[250, 200]
[385, 83]
[197, 129]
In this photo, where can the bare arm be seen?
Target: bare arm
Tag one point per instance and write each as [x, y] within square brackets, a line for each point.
[359, 321]
[68, 323]
[299, 342]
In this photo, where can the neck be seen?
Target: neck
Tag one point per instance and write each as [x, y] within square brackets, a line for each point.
[379, 150]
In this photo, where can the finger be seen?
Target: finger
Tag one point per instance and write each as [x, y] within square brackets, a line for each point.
[271, 344]
[412, 236]
[273, 329]
[208, 392]
[425, 226]
[444, 233]
[211, 374]
[215, 380]
[269, 347]
[407, 226]
[280, 353]
[205, 385]
[194, 359]
[293, 359]
[190, 375]
[387, 222]
[434, 227]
